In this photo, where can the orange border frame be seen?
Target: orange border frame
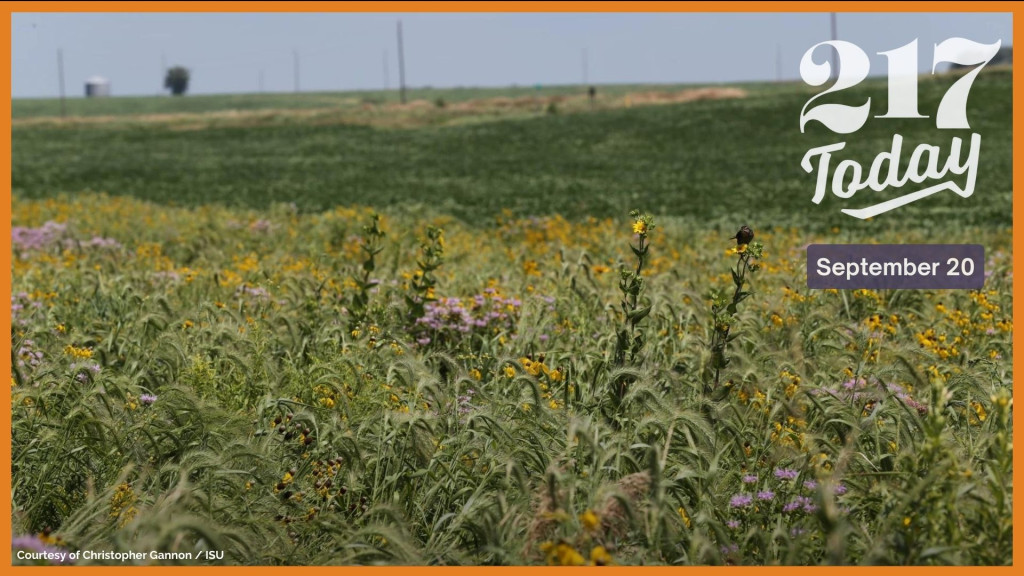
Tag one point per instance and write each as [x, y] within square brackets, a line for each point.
[503, 6]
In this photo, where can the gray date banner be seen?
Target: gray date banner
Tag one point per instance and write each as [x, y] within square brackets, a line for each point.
[884, 266]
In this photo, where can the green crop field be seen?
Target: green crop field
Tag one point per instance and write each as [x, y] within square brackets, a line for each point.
[335, 329]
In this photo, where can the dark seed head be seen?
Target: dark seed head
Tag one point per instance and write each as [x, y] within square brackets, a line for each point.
[280, 485]
[305, 431]
[281, 429]
[308, 440]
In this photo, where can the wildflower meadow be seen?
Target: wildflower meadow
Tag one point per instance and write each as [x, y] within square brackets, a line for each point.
[368, 383]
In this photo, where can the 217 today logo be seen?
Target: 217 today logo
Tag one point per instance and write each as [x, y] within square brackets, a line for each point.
[926, 166]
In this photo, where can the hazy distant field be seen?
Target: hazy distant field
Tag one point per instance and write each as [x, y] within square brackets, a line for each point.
[706, 160]
[218, 345]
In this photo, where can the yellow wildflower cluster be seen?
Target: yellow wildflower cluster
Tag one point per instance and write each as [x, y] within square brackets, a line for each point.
[789, 432]
[325, 396]
[936, 343]
[790, 294]
[869, 295]
[790, 382]
[323, 474]
[122, 504]
[977, 413]
[79, 353]
[547, 376]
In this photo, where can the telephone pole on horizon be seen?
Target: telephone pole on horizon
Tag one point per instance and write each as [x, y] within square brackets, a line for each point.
[401, 65]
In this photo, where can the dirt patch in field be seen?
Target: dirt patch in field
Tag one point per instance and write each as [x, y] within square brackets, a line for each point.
[416, 113]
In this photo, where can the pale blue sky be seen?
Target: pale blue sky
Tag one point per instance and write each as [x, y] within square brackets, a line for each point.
[227, 52]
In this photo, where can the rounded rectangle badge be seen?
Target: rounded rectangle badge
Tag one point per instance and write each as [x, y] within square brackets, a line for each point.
[895, 266]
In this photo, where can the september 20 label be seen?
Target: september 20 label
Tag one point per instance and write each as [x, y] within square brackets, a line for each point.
[886, 266]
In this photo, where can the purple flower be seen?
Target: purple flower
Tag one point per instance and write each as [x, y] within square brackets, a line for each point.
[840, 489]
[800, 502]
[765, 495]
[749, 479]
[734, 524]
[147, 399]
[39, 550]
[740, 500]
[786, 473]
[543, 337]
[730, 549]
[262, 226]
[26, 239]
[810, 484]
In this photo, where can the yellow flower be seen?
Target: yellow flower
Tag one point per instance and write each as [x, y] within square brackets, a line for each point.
[685, 518]
[600, 557]
[639, 227]
[906, 520]
[510, 372]
[83, 353]
[561, 554]
[590, 520]
[475, 374]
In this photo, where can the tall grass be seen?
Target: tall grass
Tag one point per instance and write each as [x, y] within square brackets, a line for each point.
[191, 379]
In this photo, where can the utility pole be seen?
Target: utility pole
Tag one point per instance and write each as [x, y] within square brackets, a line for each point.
[295, 54]
[835, 54]
[60, 75]
[401, 65]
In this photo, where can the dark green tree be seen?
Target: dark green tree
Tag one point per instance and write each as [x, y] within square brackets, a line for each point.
[177, 80]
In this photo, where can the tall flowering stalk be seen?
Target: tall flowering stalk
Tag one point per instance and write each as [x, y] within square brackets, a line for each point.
[630, 339]
[372, 245]
[423, 281]
[724, 309]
